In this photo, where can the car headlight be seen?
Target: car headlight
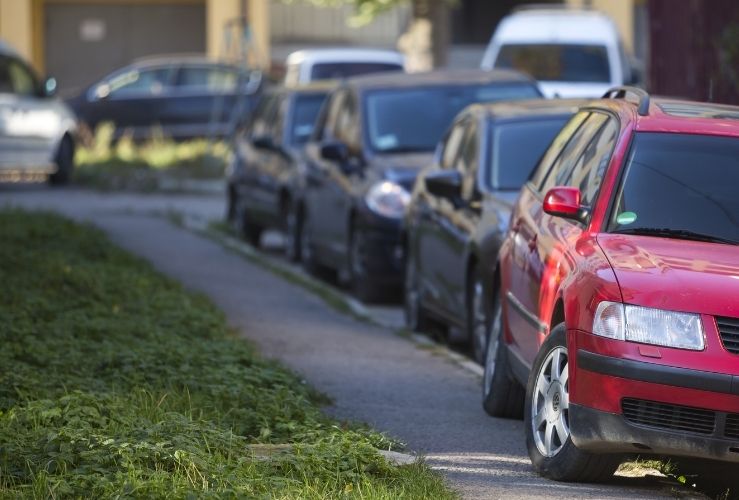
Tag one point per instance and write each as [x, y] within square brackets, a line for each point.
[647, 325]
[388, 199]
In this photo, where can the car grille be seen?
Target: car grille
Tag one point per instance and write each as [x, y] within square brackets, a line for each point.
[728, 328]
[667, 416]
[732, 426]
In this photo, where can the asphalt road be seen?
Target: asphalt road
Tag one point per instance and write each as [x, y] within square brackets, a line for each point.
[373, 375]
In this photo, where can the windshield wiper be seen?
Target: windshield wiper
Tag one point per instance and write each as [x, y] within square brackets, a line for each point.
[675, 233]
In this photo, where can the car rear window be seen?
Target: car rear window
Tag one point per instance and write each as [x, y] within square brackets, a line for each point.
[339, 71]
[515, 149]
[414, 119]
[680, 183]
[304, 117]
[557, 62]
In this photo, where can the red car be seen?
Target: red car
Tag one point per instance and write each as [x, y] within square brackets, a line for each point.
[614, 317]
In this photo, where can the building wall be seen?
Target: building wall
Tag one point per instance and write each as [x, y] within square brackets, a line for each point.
[16, 25]
[22, 23]
[695, 49]
[622, 13]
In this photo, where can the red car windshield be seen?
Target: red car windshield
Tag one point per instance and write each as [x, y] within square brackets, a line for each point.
[680, 186]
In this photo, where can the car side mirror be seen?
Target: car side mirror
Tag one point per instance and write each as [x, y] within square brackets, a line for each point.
[334, 151]
[445, 184]
[563, 201]
[263, 142]
[48, 88]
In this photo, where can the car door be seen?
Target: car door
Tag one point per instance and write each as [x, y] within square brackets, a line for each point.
[252, 157]
[29, 128]
[427, 235]
[456, 222]
[583, 166]
[329, 183]
[203, 101]
[134, 99]
[523, 323]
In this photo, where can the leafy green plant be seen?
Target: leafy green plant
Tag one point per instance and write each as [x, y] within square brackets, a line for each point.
[116, 382]
[125, 164]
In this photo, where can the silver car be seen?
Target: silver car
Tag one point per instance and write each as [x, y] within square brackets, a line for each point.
[37, 130]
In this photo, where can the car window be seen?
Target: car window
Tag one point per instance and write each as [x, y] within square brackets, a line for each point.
[346, 124]
[335, 106]
[515, 149]
[261, 123]
[138, 82]
[16, 78]
[590, 168]
[681, 183]
[555, 148]
[562, 168]
[557, 62]
[452, 144]
[208, 79]
[402, 120]
[468, 161]
[277, 128]
[341, 70]
[305, 113]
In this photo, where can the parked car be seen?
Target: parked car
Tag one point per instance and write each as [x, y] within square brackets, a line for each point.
[373, 136]
[305, 66]
[570, 52]
[185, 97]
[37, 130]
[616, 303]
[267, 179]
[460, 207]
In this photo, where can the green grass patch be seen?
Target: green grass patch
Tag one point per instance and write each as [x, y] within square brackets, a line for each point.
[125, 164]
[115, 382]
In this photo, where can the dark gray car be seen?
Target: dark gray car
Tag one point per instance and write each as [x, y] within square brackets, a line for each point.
[183, 96]
[37, 130]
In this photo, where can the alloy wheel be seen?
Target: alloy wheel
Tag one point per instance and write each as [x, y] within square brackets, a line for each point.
[550, 404]
[491, 351]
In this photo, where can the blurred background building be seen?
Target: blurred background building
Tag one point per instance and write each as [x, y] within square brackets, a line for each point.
[689, 51]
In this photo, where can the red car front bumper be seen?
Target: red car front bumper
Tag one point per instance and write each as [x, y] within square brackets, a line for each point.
[620, 403]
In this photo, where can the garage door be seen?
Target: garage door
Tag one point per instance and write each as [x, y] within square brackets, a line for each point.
[84, 41]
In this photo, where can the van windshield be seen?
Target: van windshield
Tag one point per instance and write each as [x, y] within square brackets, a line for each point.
[557, 62]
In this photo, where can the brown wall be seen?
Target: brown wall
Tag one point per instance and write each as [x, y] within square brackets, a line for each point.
[694, 49]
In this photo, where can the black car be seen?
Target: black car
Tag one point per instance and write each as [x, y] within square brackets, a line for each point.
[460, 208]
[266, 179]
[184, 96]
[373, 136]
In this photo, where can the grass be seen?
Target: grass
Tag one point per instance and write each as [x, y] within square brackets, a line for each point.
[115, 382]
[124, 164]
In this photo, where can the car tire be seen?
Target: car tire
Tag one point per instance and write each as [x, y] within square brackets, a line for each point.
[546, 420]
[477, 317]
[293, 230]
[252, 232]
[415, 316]
[307, 252]
[502, 395]
[64, 163]
[230, 204]
[361, 283]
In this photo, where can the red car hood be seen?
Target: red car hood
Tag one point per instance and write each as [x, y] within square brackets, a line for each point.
[674, 274]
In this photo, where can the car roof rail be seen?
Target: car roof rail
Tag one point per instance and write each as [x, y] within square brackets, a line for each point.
[621, 92]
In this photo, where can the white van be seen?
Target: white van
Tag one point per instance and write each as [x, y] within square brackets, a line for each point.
[305, 66]
[570, 52]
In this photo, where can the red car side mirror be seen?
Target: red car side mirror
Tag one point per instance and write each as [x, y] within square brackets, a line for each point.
[562, 201]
